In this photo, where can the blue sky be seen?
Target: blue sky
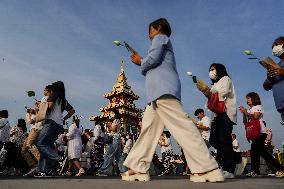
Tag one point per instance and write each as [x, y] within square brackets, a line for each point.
[49, 40]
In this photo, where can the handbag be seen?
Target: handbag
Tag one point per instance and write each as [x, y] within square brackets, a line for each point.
[252, 129]
[41, 114]
[215, 105]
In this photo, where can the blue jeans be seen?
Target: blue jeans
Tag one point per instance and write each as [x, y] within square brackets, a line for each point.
[114, 152]
[45, 145]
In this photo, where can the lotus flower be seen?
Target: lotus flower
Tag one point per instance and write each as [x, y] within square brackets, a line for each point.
[248, 52]
[117, 43]
[189, 74]
[30, 93]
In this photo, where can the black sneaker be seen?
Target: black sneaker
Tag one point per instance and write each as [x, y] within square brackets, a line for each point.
[41, 175]
[56, 167]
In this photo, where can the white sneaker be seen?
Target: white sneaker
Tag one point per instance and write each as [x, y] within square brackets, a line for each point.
[212, 176]
[30, 172]
[228, 175]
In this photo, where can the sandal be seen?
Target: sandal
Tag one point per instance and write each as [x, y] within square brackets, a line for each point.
[133, 176]
[80, 173]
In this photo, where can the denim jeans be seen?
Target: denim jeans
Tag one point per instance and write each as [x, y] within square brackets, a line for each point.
[114, 152]
[45, 145]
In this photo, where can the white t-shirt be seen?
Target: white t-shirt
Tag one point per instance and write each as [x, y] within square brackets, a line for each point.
[236, 144]
[206, 121]
[56, 113]
[37, 125]
[168, 147]
[258, 108]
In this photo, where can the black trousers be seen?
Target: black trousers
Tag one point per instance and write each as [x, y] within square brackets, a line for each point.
[15, 159]
[257, 150]
[221, 139]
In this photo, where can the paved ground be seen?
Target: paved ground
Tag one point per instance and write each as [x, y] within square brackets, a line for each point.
[167, 182]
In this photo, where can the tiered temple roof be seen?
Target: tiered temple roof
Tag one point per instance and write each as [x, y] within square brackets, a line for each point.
[121, 98]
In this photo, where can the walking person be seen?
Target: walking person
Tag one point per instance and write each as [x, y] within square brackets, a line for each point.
[167, 152]
[203, 125]
[75, 147]
[223, 121]
[257, 145]
[97, 150]
[14, 158]
[127, 145]
[29, 149]
[52, 127]
[114, 151]
[164, 110]
[4, 136]
[4, 128]
[275, 77]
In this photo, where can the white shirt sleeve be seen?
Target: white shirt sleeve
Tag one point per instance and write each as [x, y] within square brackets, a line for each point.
[206, 121]
[97, 132]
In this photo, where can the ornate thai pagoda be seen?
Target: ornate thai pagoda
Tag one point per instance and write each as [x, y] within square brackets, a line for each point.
[121, 98]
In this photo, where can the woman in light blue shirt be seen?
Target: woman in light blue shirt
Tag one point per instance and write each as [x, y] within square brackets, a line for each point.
[164, 110]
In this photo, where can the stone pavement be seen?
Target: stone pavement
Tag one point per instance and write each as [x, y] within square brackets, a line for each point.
[165, 182]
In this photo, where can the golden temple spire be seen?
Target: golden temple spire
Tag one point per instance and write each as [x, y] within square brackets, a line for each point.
[121, 80]
[122, 66]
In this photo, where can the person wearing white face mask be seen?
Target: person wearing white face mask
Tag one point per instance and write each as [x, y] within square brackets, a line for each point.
[275, 77]
[222, 124]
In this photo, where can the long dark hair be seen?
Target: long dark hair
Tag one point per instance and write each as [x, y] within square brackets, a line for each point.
[220, 71]
[163, 25]
[76, 120]
[59, 93]
[255, 99]
[22, 124]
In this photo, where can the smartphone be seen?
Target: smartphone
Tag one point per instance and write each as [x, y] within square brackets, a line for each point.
[194, 79]
[129, 48]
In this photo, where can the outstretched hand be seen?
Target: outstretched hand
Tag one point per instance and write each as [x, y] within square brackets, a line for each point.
[202, 86]
[136, 59]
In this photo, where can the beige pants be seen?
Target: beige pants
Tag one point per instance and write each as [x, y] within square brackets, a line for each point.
[169, 114]
[29, 150]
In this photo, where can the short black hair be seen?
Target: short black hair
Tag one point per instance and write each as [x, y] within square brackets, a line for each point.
[198, 111]
[279, 40]
[167, 133]
[163, 25]
[220, 70]
[4, 114]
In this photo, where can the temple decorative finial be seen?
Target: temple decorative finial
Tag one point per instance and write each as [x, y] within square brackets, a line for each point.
[122, 66]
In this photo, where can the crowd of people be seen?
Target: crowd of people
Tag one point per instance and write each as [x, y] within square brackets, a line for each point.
[48, 149]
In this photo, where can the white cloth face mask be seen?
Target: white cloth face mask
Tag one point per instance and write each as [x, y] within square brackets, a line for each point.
[277, 50]
[213, 74]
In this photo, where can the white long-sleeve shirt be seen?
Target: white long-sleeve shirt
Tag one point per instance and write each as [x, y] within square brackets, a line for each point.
[226, 91]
